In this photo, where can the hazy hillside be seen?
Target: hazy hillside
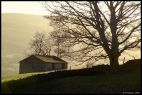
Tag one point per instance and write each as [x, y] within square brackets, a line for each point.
[17, 30]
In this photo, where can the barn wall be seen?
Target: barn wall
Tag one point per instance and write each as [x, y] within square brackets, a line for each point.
[34, 65]
[58, 66]
[64, 66]
[48, 67]
[25, 68]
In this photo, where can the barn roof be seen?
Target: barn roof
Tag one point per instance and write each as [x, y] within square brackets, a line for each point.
[48, 59]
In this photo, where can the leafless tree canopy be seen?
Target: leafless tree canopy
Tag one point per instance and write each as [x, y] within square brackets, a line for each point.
[59, 43]
[52, 44]
[40, 44]
[106, 27]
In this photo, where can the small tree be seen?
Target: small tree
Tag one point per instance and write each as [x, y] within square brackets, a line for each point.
[59, 43]
[40, 44]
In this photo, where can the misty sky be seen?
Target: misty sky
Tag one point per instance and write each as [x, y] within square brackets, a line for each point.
[30, 7]
[18, 29]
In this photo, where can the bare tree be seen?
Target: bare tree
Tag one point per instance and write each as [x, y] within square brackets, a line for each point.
[110, 27]
[60, 48]
[40, 44]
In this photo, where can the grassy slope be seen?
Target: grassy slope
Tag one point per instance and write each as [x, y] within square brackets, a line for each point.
[101, 83]
[20, 76]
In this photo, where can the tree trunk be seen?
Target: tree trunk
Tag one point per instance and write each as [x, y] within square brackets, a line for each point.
[114, 63]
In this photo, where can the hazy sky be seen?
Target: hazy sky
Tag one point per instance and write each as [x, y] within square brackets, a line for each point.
[27, 7]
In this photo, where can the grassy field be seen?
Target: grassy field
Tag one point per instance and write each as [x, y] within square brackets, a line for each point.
[125, 81]
[20, 76]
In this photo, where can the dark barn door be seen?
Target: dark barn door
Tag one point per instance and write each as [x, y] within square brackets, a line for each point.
[63, 66]
[53, 66]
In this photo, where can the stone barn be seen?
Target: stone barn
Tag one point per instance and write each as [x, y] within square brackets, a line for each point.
[38, 63]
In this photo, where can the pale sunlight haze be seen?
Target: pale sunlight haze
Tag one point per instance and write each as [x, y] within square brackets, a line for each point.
[30, 7]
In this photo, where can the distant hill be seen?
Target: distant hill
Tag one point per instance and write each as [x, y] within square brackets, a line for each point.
[17, 31]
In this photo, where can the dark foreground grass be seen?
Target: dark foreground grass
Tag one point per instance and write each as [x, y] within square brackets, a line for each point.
[126, 80]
